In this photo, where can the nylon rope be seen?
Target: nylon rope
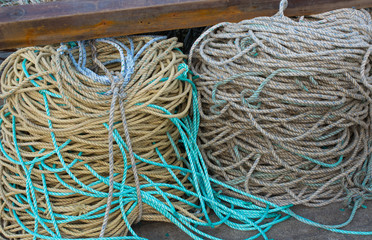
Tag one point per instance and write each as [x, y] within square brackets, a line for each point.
[55, 162]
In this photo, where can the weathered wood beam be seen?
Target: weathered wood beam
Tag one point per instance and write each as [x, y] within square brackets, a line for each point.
[62, 21]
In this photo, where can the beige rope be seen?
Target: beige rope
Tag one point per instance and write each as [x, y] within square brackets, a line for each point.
[80, 116]
[286, 104]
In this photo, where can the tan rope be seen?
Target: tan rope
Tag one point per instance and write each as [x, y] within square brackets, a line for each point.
[80, 115]
[286, 104]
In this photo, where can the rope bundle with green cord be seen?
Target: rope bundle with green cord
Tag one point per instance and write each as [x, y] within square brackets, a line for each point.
[96, 136]
[286, 106]
[44, 197]
[44, 86]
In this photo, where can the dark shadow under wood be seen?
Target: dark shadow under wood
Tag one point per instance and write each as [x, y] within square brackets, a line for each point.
[62, 21]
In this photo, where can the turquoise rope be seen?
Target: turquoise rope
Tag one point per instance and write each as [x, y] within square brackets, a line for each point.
[235, 213]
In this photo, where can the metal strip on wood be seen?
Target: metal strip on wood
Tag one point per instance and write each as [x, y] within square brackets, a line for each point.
[63, 21]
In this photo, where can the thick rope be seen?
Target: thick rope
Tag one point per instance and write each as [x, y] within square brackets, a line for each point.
[57, 126]
[286, 106]
[60, 192]
[78, 119]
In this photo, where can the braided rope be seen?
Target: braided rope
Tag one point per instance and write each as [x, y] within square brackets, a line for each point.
[286, 106]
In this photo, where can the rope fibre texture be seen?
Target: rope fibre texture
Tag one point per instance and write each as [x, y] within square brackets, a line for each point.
[24, 191]
[249, 215]
[59, 117]
[285, 106]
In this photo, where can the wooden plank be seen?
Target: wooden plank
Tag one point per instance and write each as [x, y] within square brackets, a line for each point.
[62, 21]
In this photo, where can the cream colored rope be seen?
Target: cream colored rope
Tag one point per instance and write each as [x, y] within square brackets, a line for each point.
[286, 105]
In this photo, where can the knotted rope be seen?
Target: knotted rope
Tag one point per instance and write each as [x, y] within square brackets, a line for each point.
[285, 105]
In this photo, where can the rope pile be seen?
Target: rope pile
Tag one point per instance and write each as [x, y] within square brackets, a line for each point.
[54, 129]
[96, 136]
[285, 106]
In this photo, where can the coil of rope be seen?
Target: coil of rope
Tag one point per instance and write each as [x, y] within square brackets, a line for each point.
[285, 106]
[96, 136]
[82, 131]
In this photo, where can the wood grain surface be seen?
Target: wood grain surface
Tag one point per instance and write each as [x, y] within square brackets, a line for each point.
[72, 20]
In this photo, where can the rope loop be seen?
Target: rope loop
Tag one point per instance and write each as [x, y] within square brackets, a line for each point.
[355, 198]
[282, 7]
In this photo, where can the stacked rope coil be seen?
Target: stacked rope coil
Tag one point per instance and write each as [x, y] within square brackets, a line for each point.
[96, 135]
[285, 106]
[48, 103]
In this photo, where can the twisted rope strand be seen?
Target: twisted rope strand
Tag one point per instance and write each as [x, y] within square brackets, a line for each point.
[285, 105]
[58, 180]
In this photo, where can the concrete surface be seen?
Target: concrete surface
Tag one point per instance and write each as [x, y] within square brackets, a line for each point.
[287, 230]
[3, 55]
